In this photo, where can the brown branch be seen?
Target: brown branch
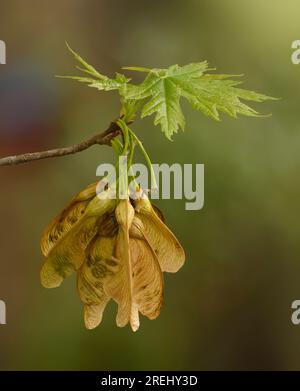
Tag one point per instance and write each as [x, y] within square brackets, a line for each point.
[103, 138]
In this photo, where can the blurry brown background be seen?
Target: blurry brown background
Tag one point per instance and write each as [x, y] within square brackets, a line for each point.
[229, 307]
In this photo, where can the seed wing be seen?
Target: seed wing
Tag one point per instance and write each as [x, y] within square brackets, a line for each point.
[99, 267]
[68, 254]
[120, 287]
[66, 219]
[147, 279]
[167, 248]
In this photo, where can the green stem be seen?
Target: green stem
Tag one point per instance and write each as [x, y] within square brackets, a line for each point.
[124, 128]
[122, 180]
[131, 153]
[146, 157]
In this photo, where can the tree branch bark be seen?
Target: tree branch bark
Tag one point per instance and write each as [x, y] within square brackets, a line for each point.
[103, 138]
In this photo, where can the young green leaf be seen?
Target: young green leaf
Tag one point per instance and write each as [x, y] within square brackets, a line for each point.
[207, 93]
[129, 109]
[96, 79]
[105, 84]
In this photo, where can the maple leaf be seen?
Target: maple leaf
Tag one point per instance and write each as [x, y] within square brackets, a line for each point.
[208, 93]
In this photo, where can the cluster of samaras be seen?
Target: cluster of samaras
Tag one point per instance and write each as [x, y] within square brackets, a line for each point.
[119, 249]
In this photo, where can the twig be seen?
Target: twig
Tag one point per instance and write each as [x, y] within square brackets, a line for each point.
[102, 139]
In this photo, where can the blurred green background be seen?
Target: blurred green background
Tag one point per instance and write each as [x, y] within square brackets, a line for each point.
[229, 307]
